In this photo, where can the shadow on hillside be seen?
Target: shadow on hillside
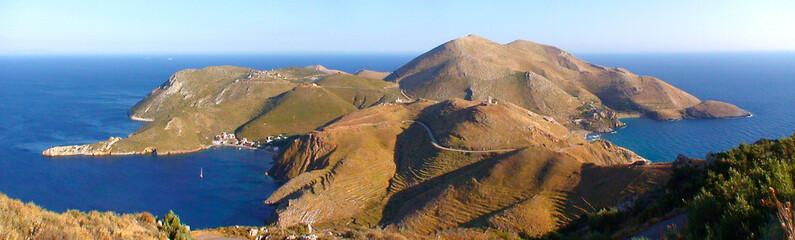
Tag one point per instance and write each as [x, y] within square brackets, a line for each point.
[422, 171]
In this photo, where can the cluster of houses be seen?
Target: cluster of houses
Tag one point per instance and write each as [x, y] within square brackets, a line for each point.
[230, 139]
[270, 139]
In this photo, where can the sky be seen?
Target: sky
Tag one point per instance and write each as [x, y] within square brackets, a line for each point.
[302, 26]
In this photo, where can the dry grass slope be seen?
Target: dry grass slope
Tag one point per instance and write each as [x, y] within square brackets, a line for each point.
[19, 220]
[369, 168]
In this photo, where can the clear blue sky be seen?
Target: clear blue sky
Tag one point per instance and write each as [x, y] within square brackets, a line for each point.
[155, 26]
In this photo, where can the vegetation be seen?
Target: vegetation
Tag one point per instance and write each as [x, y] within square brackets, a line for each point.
[19, 220]
[785, 215]
[173, 228]
[725, 198]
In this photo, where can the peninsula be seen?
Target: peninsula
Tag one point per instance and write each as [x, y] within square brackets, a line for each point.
[470, 135]
[194, 105]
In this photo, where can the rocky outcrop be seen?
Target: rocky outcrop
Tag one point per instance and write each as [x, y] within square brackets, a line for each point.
[324, 69]
[103, 148]
[306, 154]
[703, 110]
[714, 109]
[100, 148]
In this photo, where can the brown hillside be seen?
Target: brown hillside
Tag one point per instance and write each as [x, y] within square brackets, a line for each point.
[538, 77]
[379, 166]
[372, 74]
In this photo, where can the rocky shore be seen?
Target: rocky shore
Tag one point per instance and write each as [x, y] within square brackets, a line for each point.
[105, 148]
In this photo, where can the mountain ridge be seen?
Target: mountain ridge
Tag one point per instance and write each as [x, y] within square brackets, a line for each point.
[194, 105]
[476, 68]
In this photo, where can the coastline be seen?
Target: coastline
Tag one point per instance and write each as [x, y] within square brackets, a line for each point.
[625, 115]
[140, 119]
[152, 151]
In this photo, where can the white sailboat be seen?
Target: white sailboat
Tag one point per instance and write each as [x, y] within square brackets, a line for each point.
[201, 172]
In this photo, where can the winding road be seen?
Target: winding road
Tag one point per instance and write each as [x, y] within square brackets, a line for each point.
[439, 146]
[406, 96]
[430, 134]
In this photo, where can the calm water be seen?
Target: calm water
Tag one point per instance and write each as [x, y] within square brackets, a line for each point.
[64, 100]
[762, 83]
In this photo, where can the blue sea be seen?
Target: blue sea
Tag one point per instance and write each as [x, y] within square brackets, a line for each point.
[761, 83]
[64, 100]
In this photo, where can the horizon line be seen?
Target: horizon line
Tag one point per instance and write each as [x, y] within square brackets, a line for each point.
[6, 54]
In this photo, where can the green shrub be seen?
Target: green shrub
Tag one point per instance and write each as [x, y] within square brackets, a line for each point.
[723, 198]
[173, 228]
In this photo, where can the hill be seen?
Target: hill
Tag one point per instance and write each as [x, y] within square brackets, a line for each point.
[431, 166]
[549, 81]
[307, 107]
[372, 74]
[194, 105]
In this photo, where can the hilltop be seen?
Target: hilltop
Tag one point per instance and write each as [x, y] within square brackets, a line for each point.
[430, 166]
[194, 105]
[372, 74]
[550, 81]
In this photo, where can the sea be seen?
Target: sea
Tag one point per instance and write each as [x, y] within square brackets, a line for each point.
[76, 99]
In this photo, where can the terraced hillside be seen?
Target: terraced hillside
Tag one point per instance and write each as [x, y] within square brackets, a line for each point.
[429, 166]
[196, 104]
[549, 81]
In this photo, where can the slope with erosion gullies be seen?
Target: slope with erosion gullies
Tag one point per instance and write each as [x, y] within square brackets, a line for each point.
[194, 105]
[428, 166]
[545, 79]
[307, 107]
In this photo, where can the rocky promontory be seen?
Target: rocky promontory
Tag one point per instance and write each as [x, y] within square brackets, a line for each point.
[704, 110]
[94, 149]
[100, 148]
